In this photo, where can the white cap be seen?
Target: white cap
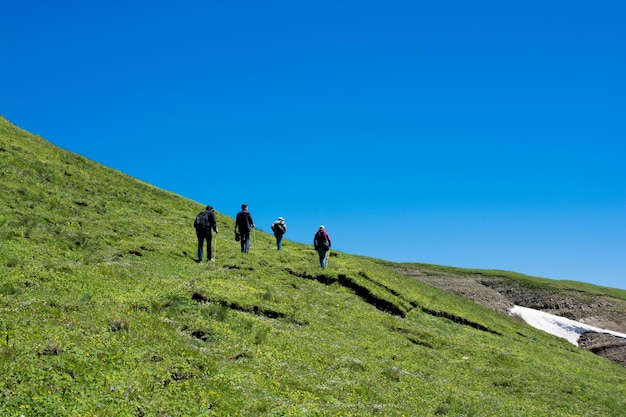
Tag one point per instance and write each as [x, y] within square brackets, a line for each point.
[280, 218]
[322, 227]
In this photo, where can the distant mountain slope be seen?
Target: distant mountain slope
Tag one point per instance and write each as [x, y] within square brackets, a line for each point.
[501, 290]
[104, 311]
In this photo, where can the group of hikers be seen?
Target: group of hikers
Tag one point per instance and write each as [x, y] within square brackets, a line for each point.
[206, 223]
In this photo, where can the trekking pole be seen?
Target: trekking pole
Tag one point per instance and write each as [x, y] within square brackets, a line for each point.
[254, 232]
[215, 247]
[327, 258]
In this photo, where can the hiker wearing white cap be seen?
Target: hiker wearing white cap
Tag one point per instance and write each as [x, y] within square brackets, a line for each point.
[322, 243]
[279, 227]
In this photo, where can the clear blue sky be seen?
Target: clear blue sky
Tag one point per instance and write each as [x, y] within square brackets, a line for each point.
[479, 134]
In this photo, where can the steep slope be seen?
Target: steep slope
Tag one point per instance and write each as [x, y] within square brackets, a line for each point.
[104, 311]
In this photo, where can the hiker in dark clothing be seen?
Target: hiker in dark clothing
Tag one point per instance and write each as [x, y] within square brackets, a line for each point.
[243, 225]
[205, 221]
[279, 227]
[322, 243]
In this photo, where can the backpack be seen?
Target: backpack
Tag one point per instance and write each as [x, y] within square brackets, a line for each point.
[202, 220]
[279, 227]
[321, 240]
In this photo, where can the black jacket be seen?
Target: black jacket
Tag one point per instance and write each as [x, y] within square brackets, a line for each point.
[244, 222]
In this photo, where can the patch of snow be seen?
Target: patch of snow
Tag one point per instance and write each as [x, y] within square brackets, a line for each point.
[558, 326]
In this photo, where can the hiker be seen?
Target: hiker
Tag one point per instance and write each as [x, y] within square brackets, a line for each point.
[279, 227]
[243, 225]
[322, 243]
[205, 221]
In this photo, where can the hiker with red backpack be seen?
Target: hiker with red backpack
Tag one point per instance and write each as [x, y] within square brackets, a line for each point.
[205, 222]
[322, 243]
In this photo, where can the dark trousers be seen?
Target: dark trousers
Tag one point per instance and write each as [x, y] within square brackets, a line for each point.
[245, 241]
[202, 236]
[279, 241]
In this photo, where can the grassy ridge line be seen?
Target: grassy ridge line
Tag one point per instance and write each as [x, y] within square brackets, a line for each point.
[522, 279]
[103, 311]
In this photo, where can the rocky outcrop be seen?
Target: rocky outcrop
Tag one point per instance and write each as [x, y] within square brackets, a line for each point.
[606, 345]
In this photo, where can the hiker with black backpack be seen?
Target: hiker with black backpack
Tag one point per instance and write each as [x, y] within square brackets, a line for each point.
[243, 225]
[204, 223]
[322, 243]
[279, 227]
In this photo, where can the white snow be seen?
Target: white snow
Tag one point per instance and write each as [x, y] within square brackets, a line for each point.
[558, 326]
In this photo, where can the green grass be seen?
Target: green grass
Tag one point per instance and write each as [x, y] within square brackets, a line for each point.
[103, 311]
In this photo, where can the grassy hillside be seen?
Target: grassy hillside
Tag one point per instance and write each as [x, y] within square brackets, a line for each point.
[103, 311]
